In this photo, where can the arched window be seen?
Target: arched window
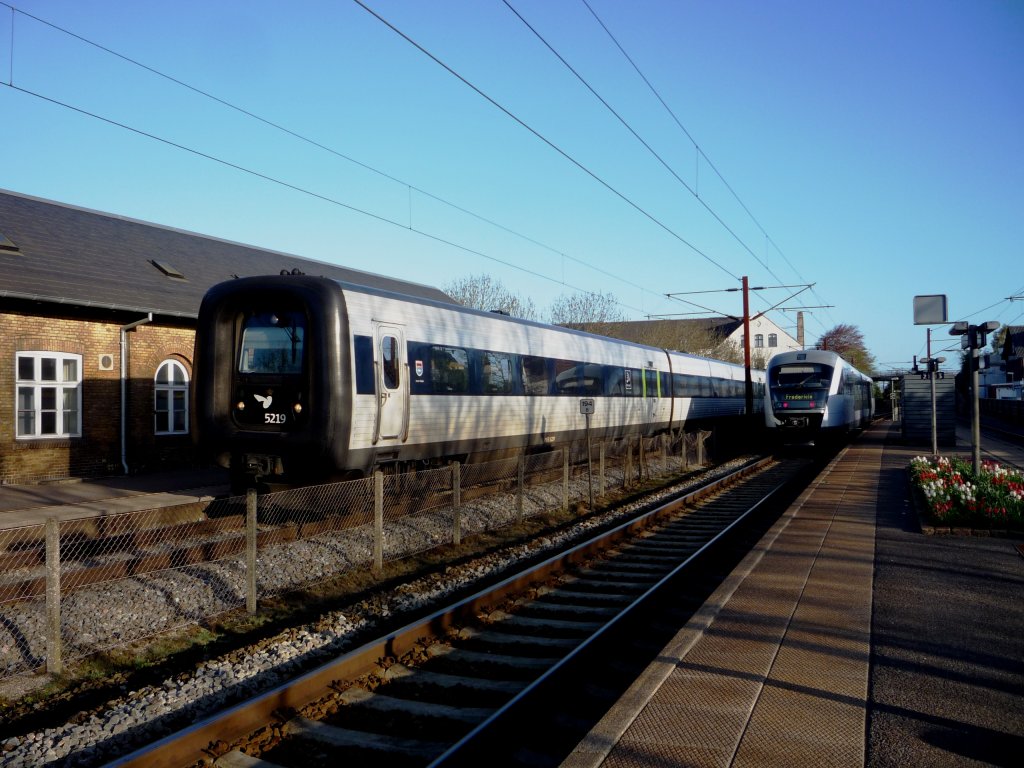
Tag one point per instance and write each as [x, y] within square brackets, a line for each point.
[170, 399]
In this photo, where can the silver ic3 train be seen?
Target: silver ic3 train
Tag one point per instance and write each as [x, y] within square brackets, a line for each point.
[299, 379]
[816, 395]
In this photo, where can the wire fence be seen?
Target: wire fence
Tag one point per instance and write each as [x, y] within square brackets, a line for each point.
[73, 588]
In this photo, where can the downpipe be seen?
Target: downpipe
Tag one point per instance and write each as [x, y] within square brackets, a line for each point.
[124, 385]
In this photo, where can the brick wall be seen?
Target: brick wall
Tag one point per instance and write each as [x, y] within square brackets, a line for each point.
[98, 450]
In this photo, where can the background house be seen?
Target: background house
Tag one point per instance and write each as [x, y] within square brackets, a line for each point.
[98, 315]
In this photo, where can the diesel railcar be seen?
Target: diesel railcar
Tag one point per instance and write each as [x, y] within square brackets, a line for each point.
[299, 378]
[816, 395]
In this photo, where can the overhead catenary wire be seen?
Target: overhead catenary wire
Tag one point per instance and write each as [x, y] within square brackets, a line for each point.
[607, 185]
[295, 187]
[636, 135]
[700, 151]
[326, 148]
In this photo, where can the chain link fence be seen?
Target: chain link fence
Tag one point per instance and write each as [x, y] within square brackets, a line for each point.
[74, 588]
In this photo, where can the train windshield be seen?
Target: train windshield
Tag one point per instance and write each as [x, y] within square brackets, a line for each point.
[800, 385]
[800, 376]
[272, 342]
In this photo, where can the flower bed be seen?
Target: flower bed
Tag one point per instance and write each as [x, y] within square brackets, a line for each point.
[954, 496]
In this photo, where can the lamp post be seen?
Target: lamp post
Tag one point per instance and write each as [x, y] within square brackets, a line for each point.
[976, 339]
[933, 367]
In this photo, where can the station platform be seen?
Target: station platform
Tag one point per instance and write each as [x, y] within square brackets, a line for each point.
[846, 638]
[32, 504]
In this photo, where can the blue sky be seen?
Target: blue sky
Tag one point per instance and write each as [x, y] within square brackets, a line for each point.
[875, 149]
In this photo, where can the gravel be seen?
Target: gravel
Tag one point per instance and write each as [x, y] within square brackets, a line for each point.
[142, 715]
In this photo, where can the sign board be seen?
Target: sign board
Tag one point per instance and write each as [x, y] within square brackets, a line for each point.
[930, 310]
[587, 406]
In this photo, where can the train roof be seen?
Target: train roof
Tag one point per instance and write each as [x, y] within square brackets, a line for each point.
[825, 356]
[56, 253]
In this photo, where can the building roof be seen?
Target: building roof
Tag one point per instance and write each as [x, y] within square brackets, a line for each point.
[1013, 344]
[642, 331]
[56, 253]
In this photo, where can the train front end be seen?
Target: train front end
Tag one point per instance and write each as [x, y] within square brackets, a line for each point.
[266, 378]
[797, 396]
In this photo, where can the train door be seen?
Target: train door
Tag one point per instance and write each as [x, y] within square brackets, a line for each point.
[392, 382]
[651, 397]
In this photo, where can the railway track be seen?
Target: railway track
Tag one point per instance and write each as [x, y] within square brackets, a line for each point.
[532, 661]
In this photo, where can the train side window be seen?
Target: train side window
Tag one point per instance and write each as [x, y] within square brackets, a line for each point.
[449, 370]
[362, 349]
[567, 377]
[497, 373]
[591, 379]
[665, 383]
[615, 385]
[535, 375]
[389, 361]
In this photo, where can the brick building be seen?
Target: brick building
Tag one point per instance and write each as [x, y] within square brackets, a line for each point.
[97, 318]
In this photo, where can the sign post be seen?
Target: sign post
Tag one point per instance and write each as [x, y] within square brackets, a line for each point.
[587, 408]
[931, 309]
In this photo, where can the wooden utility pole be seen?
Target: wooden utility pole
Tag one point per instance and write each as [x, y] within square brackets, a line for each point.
[746, 349]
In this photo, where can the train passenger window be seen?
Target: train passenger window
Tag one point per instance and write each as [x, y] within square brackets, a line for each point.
[591, 379]
[389, 361]
[497, 373]
[666, 384]
[567, 377]
[362, 349]
[615, 385]
[449, 370]
[272, 342]
[535, 375]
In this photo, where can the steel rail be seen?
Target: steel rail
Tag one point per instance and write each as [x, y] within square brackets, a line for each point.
[189, 745]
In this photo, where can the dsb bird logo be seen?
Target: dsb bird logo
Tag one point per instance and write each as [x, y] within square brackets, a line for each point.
[264, 401]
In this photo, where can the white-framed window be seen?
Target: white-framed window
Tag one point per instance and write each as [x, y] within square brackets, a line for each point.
[773, 339]
[170, 399]
[49, 400]
[758, 340]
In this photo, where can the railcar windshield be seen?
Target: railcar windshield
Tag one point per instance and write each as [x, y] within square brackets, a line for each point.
[272, 342]
[800, 385]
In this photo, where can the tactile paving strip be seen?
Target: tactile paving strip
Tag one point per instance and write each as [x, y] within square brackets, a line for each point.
[780, 675]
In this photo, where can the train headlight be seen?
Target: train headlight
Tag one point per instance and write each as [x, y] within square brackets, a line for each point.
[240, 405]
[297, 408]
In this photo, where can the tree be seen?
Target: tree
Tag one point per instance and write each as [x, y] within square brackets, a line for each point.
[581, 309]
[848, 342]
[486, 293]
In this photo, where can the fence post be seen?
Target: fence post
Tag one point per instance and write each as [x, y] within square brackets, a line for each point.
[565, 478]
[378, 520]
[54, 646]
[457, 502]
[628, 474]
[600, 469]
[642, 462]
[250, 549]
[663, 439]
[521, 487]
[700, 448]
[685, 461]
